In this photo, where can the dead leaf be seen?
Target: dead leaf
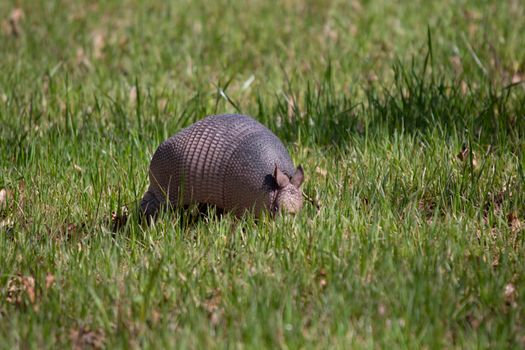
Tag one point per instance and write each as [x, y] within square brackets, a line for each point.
[6, 198]
[15, 290]
[472, 29]
[83, 338]
[330, 32]
[321, 171]
[21, 196]
[473, 321]
[133, 95]
[212, 305]
[463, 156]
[213, 301]
[120, 218]
[292, 107]
[356, 6]
[495, 201]
[510, 294]
[29, 285]
[495, 261]
[514, 222]
[69, 230]
[360, 127]
[464, 87]
[456, 63]
[50, 280]
[182, 277]
[372, 77]
[12, 26]
[99, 42]
[314, 201]
[7, 225]
[82, 59]
[321, 276]
[352, 29]
[427, 206]
[123, 42]
[518, 78]
[155, 316]
[162, 104]
[17, 286]
[216, 317]
[381, 309]
[472, 15]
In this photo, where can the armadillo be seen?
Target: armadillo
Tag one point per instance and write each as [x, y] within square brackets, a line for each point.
[229, 161]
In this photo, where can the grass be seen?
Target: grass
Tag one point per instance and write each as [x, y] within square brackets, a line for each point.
[408, 120]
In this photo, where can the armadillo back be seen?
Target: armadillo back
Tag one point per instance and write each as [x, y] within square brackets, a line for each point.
[220, 160]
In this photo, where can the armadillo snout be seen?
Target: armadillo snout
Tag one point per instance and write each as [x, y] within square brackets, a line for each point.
[289, 200]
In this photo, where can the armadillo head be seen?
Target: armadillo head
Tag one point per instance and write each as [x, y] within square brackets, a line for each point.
[288, 197]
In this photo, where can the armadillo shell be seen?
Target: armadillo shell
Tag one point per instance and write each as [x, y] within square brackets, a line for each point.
[223, 160]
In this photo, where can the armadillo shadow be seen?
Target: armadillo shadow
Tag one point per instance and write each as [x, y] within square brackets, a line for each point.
[190, 215]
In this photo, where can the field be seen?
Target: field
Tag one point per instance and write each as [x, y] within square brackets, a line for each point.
[408, 118]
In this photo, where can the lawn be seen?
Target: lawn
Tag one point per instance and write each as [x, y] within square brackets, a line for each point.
[408, 118]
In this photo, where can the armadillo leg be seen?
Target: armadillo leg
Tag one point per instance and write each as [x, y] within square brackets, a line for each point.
[149, 205]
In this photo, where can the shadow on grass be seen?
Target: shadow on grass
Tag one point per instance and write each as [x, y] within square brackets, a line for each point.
[418, 102]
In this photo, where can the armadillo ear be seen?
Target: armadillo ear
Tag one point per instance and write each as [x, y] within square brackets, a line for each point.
[280, 177]
[298, 177]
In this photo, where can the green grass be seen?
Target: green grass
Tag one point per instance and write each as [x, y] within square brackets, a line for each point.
[412, 246]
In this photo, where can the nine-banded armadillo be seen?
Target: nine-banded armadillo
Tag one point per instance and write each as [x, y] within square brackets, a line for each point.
[230, 161]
